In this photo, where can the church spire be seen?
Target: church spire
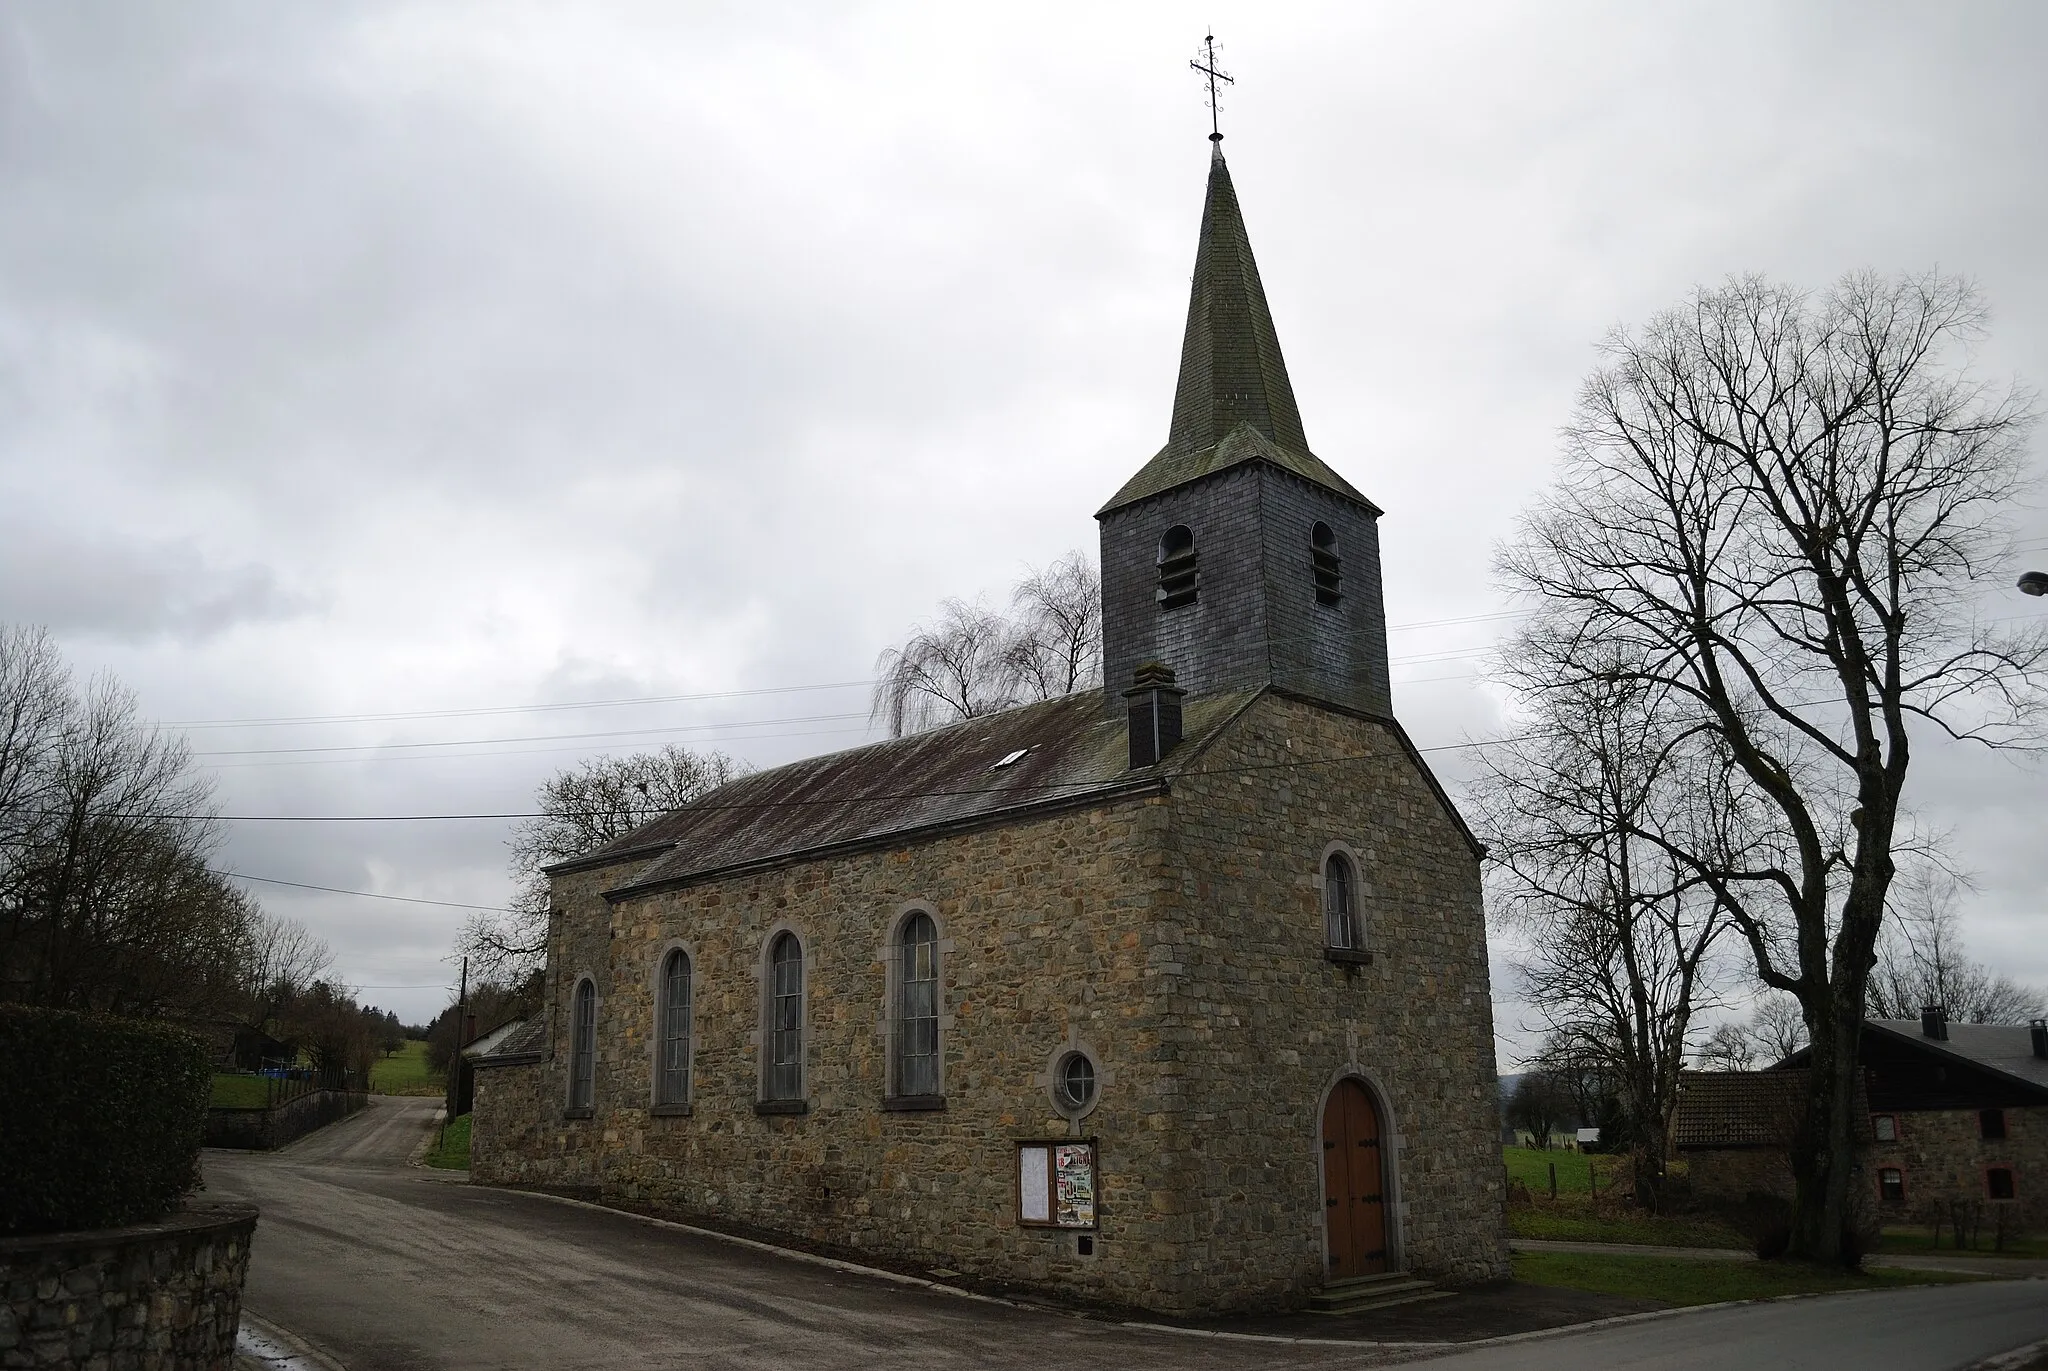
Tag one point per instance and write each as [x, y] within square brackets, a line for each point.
[1233, 402]
[1231, 371]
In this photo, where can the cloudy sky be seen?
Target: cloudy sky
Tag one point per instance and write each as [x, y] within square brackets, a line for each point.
[420, 375]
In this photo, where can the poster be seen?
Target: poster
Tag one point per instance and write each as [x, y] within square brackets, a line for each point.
[1073, 1185]
[1034, 1191]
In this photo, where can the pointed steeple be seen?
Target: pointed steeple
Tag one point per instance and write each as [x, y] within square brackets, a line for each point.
[1231, 371]
[1233, 402]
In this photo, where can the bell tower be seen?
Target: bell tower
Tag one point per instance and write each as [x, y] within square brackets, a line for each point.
[1236, 557]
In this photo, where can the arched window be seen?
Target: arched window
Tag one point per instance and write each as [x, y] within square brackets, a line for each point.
[1177, 567]
[917, 1007]
[672, 1030]
[1324, 564]
[1340, 905]
[583, 1047]
[785, 1019]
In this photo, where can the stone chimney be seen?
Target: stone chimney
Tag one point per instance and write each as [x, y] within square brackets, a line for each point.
[2040, 1028]
[1934, 1022]
[1154, 702]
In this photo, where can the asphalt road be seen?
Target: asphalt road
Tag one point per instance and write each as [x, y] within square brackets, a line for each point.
[386, 1266]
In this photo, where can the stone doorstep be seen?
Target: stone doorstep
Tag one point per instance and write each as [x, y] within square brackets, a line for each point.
[1373, 1292]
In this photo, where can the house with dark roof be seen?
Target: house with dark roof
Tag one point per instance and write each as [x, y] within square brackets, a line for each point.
[1954, 1119]
[1173, 994]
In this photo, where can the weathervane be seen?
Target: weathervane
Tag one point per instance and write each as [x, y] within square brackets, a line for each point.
[1206, 64]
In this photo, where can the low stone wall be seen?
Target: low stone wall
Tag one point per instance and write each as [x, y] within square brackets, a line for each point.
[163, 1296]
[266, 1129]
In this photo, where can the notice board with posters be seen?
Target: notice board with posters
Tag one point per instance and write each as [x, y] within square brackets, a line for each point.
[1056, 1184]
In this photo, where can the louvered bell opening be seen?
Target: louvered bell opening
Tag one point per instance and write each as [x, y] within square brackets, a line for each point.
[1324, 566]
[1177, 575]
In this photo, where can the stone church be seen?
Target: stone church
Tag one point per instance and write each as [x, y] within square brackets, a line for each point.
[1173, 995]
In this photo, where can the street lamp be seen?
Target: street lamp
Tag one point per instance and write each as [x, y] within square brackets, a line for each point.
[2035, 582]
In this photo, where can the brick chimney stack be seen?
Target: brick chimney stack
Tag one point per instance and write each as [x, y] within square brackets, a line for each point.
[1934, 1022]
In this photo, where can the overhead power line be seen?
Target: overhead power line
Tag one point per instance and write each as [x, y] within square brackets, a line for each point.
[284, 721]
[364, 895]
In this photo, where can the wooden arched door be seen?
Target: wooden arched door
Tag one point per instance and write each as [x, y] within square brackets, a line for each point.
[1354, 1188]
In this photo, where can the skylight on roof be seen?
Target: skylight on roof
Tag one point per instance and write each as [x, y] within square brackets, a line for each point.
[1010, 759]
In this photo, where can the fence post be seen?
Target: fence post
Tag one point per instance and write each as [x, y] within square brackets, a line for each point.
[1553, 1180]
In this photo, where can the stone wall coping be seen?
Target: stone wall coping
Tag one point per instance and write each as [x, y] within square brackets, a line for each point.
[198, 1217]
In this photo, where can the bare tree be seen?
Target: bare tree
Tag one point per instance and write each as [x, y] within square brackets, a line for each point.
[1538, 1104]
[1777, 1027]
[958, 667]
[107, 902]
[973, 661]
[1055, 638]
[581, 810]
[1617, 933]
[1921, 959]
[1727, 1048]
[1776, 509]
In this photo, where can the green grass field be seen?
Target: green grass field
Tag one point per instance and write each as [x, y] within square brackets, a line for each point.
[1905, 1239]
[239, 1092]
[405, 1072]
[1531, 1166]
[453, 1153]
[1559, 1223]
[1675, 1280]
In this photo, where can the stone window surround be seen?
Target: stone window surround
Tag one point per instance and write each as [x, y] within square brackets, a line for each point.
[1898, 1167]
[1985, 1119]
[890, 956]
[763, 1035]
[1360, 891]
[571, 1109]
[657, 1106]
[2012, 1172]
[1049, 1079]
[1878, 1134]
[1392, 1144]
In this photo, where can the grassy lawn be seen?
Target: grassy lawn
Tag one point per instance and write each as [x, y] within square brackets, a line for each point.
[1912, 1240]
[240, 1092]
[1675, 1280]
[1579, 1215]
[1531, 1166]
[405, 1072]
[1565, 1222]
[453, 1153]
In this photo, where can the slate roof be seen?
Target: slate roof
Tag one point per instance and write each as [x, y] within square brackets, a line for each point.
[1746, 1108]
[1233, 402]
[1075, 751]
[2008, 1048]
[521, 1040]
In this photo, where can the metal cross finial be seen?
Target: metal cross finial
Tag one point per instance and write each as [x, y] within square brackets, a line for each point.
[1206, 64]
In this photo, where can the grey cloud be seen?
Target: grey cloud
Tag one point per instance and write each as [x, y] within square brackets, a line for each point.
[103, 586]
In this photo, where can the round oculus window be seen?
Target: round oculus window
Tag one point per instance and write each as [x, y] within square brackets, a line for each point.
[1075, 1081]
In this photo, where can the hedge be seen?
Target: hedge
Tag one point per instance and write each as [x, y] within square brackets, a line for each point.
[100, 1119]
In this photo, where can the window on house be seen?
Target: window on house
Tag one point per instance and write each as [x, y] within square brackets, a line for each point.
[1891, 1185]
[672, 1080]
[1884, 1128]
[1324, 564]
[1998, 1183]
[785, 1019]
[1991, 1123]
[583, 1048]
[917, 1007]
[1177, 567]
[1340, 905]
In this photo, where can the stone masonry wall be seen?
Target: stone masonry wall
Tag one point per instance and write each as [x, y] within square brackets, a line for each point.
[1261, 1025]
[1045, 935]
[163, 1296]
[1943, 1158]
[1177, 938]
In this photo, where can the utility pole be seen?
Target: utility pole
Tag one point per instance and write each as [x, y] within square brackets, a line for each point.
[454, 1083]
